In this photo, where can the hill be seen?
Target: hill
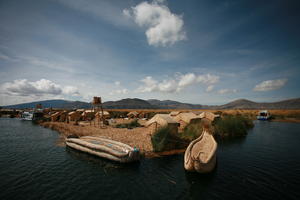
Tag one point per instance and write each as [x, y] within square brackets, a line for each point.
[56, 103]
[246, 104]
[136, 103]
[168, 104]
[129, 104]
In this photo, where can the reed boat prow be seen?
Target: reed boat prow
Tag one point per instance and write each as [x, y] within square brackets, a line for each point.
[105, 148]
[200, 156]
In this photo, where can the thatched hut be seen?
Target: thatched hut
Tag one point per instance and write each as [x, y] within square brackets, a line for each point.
[55, 116]
[186, 118]
[175, 113]
[74, 116]
[162, 120]
[133, 114]
[105, 114]
[88, 115]
[196, 112]
[63, 116]
[208, 115]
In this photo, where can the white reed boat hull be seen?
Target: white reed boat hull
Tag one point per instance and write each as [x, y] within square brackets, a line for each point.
[104, 148]
[201, 154]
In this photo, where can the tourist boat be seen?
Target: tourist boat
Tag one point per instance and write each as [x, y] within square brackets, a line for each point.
[27, 116]
[105, 148]
[263, 115]
[201, 154]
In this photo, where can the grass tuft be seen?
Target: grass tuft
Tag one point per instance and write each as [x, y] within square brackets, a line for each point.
[232, 126]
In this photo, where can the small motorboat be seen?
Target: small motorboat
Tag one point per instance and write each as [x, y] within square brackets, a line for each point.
[263, 115]
[27, 116]
[201, 154]
[105, 148]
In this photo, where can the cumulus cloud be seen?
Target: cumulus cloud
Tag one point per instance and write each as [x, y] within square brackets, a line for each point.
[70, 90]
[162, 27]
[208, 79]
[227, 91]
[177, 83]
[209, 88]
[270, 85]
[23, 87]
[120, 91]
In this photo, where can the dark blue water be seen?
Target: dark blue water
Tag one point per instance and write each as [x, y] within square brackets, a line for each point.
[264, 165]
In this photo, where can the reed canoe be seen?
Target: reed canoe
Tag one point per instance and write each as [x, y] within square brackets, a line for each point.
[105, 148]
[201, 154]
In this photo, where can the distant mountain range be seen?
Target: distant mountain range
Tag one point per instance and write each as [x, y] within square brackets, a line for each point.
[158, 104]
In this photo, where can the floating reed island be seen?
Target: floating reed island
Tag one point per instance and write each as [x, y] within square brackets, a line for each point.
[153, 133]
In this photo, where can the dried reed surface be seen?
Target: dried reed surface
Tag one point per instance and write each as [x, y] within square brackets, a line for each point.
[278, 115]
[137, 137]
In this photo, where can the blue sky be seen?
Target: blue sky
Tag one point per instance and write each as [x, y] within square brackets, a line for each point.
[206, 52]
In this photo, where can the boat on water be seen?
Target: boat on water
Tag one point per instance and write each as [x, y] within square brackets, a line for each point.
[263, 115]
[105, 148]
[201, 154]
[27, 116]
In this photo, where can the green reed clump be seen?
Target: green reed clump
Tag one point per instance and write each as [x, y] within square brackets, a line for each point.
[232, 126]
[166, 138]
[191, 131]
[130, 125]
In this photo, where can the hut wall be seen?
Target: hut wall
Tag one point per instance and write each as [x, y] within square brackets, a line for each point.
[74, 117]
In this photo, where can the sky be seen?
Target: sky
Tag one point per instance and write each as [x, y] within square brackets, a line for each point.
[195, 51]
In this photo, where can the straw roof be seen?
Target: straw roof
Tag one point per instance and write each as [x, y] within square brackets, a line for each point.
[72, 113]
[174, 113]
[105, 113]
[209, 115]
[133, 113]
[86, 112]
[55, 114]
[186, 117]
[161, 119]
[196, 112]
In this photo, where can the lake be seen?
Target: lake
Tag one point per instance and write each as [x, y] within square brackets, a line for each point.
[263, 165]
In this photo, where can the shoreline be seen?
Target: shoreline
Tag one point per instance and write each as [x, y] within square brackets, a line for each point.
[138, 137]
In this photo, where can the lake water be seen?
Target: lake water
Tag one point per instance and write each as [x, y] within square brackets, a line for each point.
[264, 165]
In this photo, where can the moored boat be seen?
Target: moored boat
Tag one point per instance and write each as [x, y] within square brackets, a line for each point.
[201, 154]
[27, 116]
[105, 148]
[263, 115]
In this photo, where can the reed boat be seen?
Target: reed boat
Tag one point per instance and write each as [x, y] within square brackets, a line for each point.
[201, 154]
[105, 148]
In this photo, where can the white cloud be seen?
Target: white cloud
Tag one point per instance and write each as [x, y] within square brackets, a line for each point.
[71, 90]
[177, 83]
[187, 79]
[209, 88]
[169, 86]
[270, 85]
[163, 27]
[227, 91]
[150, 85]
[121, 91]
[23, 87]
[208, 79]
